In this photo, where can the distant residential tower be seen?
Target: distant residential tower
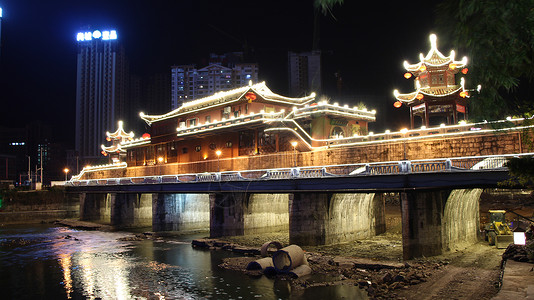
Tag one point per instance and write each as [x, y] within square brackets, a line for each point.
[224, 72]
[304, 73]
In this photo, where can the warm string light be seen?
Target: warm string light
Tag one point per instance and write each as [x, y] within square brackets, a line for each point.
[226, 98]
[119, 136]
[470, 129]
[435, 58]
[86, 169]
[407, 98]
[432, 61]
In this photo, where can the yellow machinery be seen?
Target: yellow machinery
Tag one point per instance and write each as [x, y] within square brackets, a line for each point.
[498, 232]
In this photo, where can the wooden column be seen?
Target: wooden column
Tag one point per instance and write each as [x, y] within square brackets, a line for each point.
[427, 115]
[454, 113]
[411, 118]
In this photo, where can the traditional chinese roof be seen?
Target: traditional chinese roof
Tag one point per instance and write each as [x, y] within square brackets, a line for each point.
[113, 148]
[435, 58]
[120, 134]
[437, 92]
[227, 97]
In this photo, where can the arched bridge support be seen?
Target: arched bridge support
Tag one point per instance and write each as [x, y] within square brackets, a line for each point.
[329, 218]
[437, 221]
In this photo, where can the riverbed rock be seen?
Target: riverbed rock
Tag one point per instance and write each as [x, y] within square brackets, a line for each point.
[387, 278]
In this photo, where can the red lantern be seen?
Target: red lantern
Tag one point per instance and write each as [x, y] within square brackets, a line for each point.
[407, 75]
[463, 94]
[108, 139]
[145, 136]
[465, 70]
[104, 153]
[397, 104]
[452, 66]
[422, 68]
[250, 96]
[419, 96]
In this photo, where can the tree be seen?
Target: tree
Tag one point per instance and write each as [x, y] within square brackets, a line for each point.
[499, 39]
[325, 7]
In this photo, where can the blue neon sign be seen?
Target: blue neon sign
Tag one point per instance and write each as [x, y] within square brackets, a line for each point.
[104, 35]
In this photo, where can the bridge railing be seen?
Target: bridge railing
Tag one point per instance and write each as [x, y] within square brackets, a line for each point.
[472, 163]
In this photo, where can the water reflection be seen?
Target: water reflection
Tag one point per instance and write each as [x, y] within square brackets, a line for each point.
[58, 263]
[66, 264]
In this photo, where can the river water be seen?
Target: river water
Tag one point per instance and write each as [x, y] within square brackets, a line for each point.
[48, 262]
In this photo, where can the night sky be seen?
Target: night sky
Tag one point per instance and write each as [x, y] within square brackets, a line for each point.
[366, 41]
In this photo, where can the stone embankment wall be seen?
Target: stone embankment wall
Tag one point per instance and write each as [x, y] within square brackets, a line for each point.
[427, 148]
[37, 206]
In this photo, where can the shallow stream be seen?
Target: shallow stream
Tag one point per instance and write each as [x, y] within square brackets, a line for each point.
[48, 262]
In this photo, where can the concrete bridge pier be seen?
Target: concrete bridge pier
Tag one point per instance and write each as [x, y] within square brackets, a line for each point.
[437, 221]
[243, 213]
[329, 218]
[180, 212]
[131, 210]
[95, 207]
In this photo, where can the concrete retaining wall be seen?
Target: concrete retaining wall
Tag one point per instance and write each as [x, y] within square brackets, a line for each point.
[38, 206]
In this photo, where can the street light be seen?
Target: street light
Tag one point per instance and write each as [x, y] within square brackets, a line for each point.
[404, 131]
[294, 144]
[66, 170]
[218, 152]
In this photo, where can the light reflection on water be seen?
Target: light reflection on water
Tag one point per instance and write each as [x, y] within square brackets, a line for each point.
[62, 263]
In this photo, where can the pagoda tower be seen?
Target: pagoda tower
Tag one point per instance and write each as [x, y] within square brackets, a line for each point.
[115, 151]
[437, 93]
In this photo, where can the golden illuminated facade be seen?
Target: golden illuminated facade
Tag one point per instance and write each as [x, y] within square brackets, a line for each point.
[438, 97]
[250, 120]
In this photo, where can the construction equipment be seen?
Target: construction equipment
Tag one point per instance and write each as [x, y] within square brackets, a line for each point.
[497, 231]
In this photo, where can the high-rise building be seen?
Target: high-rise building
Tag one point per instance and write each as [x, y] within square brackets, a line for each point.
[304, 73]
[101, 87]
[224, 72]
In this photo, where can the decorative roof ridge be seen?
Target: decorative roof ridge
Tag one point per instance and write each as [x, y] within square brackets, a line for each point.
[260, 88]
[411, 96]
[120, 133]
[112, 148]
[435, 52]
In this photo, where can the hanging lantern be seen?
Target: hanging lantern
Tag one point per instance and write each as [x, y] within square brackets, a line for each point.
[422, 68]
[250, 96]
[108, 139]
[419, 96]
[463, 94]
[145, 136]
[465, 70]
[407, 75]
[397, 104]
[104, 153]
[452, 66]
